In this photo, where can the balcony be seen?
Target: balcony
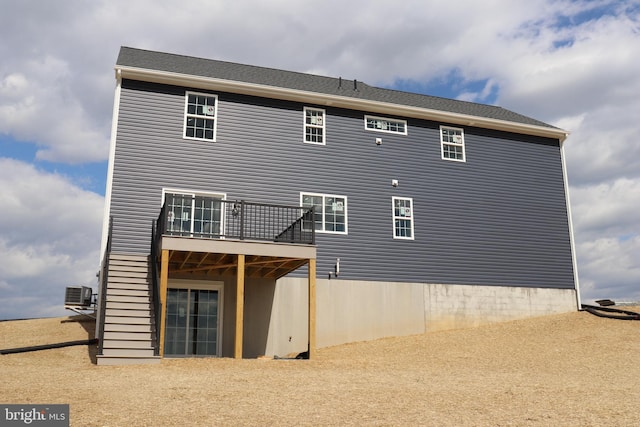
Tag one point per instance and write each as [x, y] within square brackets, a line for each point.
[205, 234]
[206, 238]
[213, 218]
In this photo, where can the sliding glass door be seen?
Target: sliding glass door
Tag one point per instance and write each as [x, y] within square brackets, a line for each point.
[193, 215]
[193, 322]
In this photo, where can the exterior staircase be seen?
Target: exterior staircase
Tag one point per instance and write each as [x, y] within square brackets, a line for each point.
[129, 329]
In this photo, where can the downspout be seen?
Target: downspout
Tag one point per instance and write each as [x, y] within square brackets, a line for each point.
[107, 193]
[574, 261]
[49, 346]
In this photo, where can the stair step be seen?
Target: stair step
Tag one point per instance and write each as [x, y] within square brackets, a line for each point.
[117, 288]
[140, 273]
[128, 274]
[124, 327]
[137, 267]
[122, 344]
[123, 360]
[129, 305]
[129, 266]
[127, 257]
[128, 261]
[129, 298]
[111, 312]
[127, 320]
[123, 282]
[128, 352]
[130, 336]
[127, 292]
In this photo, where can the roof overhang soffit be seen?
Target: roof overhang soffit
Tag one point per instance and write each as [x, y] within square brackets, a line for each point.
[265, 91]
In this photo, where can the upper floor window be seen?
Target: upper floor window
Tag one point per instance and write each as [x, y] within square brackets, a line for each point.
[382, 124]
[314, 125]
[330, 211]
[200, 113]
[452, 144]
[402, 218]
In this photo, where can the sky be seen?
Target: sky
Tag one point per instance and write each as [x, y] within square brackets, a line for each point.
[572, 64]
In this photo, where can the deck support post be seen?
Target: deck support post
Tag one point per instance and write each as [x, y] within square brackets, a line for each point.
[164, 280]
[239, 307]
[312, 308]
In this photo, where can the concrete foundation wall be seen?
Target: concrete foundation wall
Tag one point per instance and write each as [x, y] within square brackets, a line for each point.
[258, 303]
[351, 311]
[288, 329]
[461, 306]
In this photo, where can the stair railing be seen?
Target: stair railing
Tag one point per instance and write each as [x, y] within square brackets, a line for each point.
[104, 278]
[155, 284]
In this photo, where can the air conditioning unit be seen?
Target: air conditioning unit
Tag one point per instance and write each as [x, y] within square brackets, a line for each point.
[78, 295]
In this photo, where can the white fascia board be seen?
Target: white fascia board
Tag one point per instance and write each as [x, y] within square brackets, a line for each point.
[110, 165]
[275, 92]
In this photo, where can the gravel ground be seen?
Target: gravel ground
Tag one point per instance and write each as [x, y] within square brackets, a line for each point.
[573, 369]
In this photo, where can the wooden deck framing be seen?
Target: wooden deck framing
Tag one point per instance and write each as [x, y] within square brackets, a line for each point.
[242, 260]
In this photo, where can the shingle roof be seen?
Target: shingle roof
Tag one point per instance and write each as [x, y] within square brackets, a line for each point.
[180, 64]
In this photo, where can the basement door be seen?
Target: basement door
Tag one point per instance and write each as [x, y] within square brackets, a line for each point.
[193, 322]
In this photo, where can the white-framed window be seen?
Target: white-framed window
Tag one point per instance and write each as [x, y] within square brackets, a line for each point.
[330, 211]
[402, 218]
[314, 126]
[383, 124]
[200, 116]
[452, 144]
[193, 213]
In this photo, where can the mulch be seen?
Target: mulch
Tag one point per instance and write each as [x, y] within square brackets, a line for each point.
[572, 369]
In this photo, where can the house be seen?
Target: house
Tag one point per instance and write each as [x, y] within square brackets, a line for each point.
[253, 211]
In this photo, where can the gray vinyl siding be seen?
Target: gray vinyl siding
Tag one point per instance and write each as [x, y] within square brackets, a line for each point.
[498, 219]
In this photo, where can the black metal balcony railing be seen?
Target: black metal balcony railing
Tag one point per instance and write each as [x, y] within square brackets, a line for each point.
[212, 218]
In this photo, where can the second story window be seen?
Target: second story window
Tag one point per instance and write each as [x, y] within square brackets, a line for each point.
[452, 144]
[330, 211]
[314, 125]
[201, 111]
[382, 124]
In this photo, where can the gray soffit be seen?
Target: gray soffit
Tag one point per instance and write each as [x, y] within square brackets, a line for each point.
[138, 59]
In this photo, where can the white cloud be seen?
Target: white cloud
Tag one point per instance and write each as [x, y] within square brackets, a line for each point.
[609, 268]
[605, 216]
[606, 209]
[599, 67]
[604, 144]
[50, 238]
[36, 105]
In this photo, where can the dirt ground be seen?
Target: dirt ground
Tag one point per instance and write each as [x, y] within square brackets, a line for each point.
[574, 369]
